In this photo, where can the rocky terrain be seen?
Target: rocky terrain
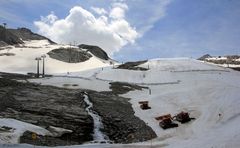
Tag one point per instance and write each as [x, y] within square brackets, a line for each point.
[122, 88]
[231, 61]
[26, 34]
[69, 55]
[133, 65]
[119, 121]
[204, 57]
[228, 59]
[8, 38]
[48, 106]
[17, 36]
[95, 50]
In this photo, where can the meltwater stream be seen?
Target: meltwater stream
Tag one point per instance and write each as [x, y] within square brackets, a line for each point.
[97, 135]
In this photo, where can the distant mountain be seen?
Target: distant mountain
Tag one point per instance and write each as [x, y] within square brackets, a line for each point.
[26, 34]
[8, 38]
[64, 57]
[230, 61]
[204, 57]
[95, 50]
[17, 36]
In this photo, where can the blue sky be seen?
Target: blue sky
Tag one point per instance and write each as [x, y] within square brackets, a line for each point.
[166, 28]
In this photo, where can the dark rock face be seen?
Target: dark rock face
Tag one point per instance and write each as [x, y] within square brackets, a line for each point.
[6, 37]
[8, 101]
[95, 50]
[2, 44]
[27, 34]
[14, 76]
[122, 88]
[69, 55]
[17, 36]
[133, 65]
[236, 68]
[46, 106]
[64, 108]
[7, 54]
[120, 124]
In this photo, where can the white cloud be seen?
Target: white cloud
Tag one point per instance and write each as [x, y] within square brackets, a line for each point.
[51, 18]
[111, 32]
[118, 10]
[100, 11]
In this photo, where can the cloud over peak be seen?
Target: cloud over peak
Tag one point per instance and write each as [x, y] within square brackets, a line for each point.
[109, 30]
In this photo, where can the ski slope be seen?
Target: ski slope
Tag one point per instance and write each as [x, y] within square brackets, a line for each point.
[208, 92]
[205, 91]
[24, 59]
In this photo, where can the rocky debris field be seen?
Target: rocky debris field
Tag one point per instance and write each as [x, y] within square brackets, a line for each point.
[48, 106]
[133, 66]
[26, 34]
[95, 50]
[8, 38]
[17, 36]
[118, 118]
[122, 88]
[69, 55]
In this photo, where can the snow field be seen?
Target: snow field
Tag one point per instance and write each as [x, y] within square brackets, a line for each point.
[19, 128]
[209, 93]
[205, 95]
[204, 90]
[24, 59]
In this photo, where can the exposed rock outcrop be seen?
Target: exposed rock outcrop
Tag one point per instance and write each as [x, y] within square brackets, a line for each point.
[26, 34]
[202, 58]
[95, 50]
[51, 107]
[120, 124]
[69, 55]
[46, 106]
[133, 66]
[122, 88]
[17, 36]
[8, 38]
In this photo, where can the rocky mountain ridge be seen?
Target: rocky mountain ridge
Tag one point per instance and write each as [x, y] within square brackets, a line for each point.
[10, 36]
[76, 54]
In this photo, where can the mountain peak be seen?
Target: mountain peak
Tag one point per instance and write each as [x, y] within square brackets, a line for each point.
[202, 58]
[10, 36]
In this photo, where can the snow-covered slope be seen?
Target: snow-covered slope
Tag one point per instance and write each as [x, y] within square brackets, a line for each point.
[24, 59]
[208, 92]
[205, 91]
[18, 128]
